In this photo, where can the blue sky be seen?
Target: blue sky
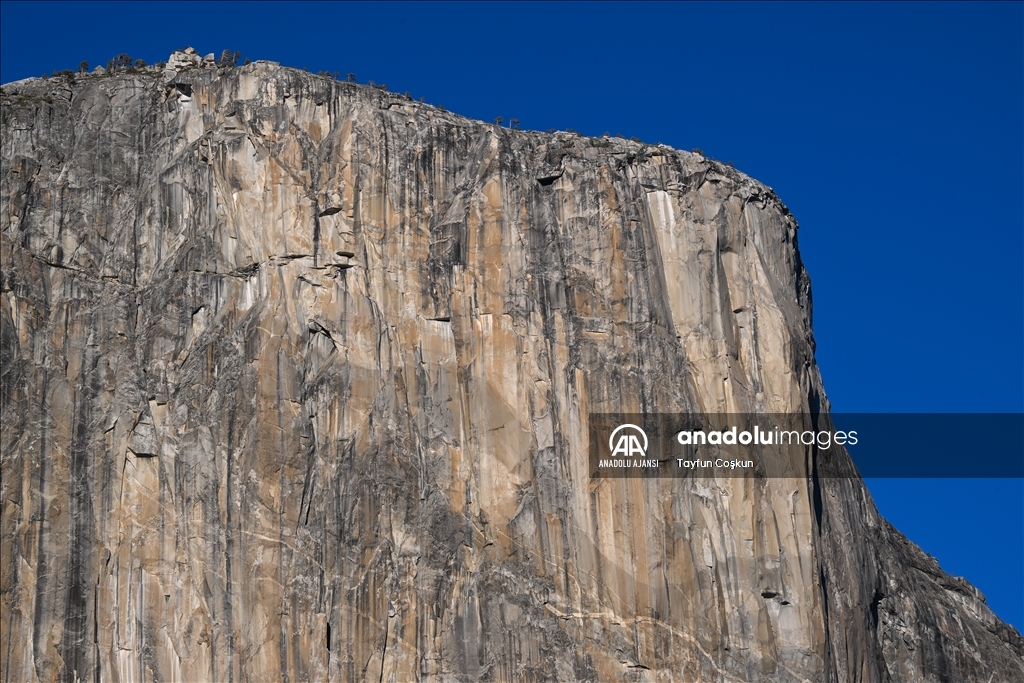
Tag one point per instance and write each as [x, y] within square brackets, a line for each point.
[894, 132]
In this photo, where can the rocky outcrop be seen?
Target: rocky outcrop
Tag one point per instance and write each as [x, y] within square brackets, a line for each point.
[296, 376]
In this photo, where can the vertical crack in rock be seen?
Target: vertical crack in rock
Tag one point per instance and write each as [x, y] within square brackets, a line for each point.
[295, 385]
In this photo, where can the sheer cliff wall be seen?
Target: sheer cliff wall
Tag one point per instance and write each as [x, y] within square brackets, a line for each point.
[296, 376]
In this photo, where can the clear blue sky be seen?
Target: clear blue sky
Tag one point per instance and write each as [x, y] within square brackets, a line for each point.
[894, 132]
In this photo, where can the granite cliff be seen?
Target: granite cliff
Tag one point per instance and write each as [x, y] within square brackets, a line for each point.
[296, 376]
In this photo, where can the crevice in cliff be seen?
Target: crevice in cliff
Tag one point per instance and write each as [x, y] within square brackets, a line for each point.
[548, 180]
[316, 239]
[244, 272]
[384, 650]
[102, 279]
[876, 599]
[308, 483]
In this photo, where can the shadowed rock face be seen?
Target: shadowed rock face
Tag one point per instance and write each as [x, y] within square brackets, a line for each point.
[296, 377]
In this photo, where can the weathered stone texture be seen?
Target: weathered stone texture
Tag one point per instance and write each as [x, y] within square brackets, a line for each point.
[296, 376]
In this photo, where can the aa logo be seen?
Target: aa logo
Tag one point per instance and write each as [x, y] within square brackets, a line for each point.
[628, 443]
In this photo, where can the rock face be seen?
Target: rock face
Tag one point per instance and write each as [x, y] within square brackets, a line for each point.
[296, 376]
[182, 60]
